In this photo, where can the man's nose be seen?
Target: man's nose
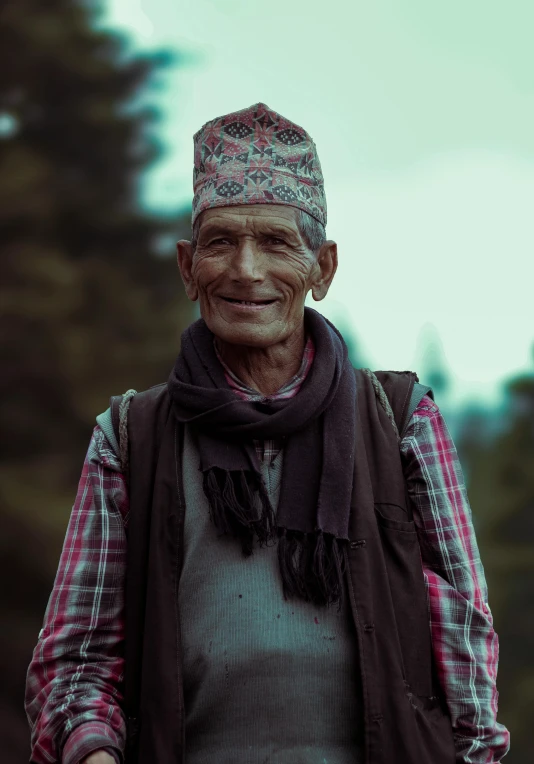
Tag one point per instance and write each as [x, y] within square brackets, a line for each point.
[247, 263]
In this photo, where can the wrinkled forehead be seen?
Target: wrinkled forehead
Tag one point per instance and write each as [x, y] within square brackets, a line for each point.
[252, 217]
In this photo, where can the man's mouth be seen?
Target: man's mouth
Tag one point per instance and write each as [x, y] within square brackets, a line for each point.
[248, 303]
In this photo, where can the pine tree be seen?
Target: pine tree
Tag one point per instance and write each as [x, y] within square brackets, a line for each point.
[89, 309]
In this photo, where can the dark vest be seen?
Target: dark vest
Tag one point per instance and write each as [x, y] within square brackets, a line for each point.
[405, 715]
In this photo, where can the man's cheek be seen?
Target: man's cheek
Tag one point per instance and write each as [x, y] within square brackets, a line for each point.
[206, 279]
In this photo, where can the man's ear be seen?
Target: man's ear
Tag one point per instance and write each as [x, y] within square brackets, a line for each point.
[327, 267]
[185, 261]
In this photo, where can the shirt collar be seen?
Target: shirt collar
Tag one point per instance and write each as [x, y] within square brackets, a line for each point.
[288, 390]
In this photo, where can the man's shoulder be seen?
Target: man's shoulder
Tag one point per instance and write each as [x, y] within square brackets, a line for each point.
[402, 388]
[108, 420]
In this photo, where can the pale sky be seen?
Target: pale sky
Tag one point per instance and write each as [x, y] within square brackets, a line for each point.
[423, 117]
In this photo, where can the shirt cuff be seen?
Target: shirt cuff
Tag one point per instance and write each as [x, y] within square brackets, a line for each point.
[89, 737]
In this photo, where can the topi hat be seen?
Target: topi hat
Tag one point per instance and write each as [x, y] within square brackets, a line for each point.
[256, 156]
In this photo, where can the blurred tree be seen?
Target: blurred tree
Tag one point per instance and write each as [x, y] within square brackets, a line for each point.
[501, 492]
[356, 356]
[432, 362]
[87, 309]
[90, 307]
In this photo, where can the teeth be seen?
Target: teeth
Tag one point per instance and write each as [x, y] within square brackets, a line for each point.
[247, 302]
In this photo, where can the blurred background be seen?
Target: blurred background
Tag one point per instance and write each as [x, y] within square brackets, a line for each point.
[422, 114]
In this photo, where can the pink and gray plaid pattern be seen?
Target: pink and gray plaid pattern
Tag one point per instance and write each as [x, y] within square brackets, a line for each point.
[74, 681]
[256, 156]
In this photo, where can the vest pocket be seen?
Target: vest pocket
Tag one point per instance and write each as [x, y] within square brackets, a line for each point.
[394, 516]
[408, 595]
[435, 741]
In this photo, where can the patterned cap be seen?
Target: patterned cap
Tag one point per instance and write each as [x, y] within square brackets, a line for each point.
[256, 156]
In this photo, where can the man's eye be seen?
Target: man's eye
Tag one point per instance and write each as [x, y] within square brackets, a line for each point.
[220, 241]
[275, 240]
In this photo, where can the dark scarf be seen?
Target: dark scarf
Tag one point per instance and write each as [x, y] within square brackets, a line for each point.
[319, 427]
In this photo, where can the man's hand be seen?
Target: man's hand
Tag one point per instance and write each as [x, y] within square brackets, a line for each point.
[98, 757]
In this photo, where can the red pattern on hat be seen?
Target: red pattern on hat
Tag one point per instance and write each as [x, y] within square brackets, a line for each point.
[256, 156]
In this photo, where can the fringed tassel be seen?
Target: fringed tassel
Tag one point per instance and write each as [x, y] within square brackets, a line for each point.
[316, 574]
[239, 508]
[311, 564]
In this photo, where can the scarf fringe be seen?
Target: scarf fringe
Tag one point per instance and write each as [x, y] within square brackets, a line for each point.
[232, 501]
[316, 574]
[311, 564]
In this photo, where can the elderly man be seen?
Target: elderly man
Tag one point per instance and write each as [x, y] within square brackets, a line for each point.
[264, 435]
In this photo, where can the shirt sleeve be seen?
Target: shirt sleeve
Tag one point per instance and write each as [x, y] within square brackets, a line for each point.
[464, 641]
[74, 680]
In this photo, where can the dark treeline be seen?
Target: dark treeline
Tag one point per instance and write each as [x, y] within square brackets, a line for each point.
[90, 308]
[498, 452]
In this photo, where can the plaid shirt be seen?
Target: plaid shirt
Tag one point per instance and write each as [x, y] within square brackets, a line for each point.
[74, 681]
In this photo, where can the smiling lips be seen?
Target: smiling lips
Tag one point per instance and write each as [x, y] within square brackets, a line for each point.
[248, 304]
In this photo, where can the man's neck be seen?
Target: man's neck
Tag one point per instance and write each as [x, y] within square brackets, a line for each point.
[264, 369]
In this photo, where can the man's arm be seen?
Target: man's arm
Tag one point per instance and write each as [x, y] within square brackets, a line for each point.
[74, 680]
[465, 645]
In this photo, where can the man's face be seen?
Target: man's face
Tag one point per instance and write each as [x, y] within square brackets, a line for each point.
[251, 272]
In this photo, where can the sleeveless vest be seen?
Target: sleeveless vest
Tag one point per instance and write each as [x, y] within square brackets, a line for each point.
[406, 720]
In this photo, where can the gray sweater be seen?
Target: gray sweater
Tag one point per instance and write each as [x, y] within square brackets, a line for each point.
[265, 680]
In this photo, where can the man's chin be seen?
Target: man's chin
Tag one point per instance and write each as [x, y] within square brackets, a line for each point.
[245, 333]
[248, 339]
